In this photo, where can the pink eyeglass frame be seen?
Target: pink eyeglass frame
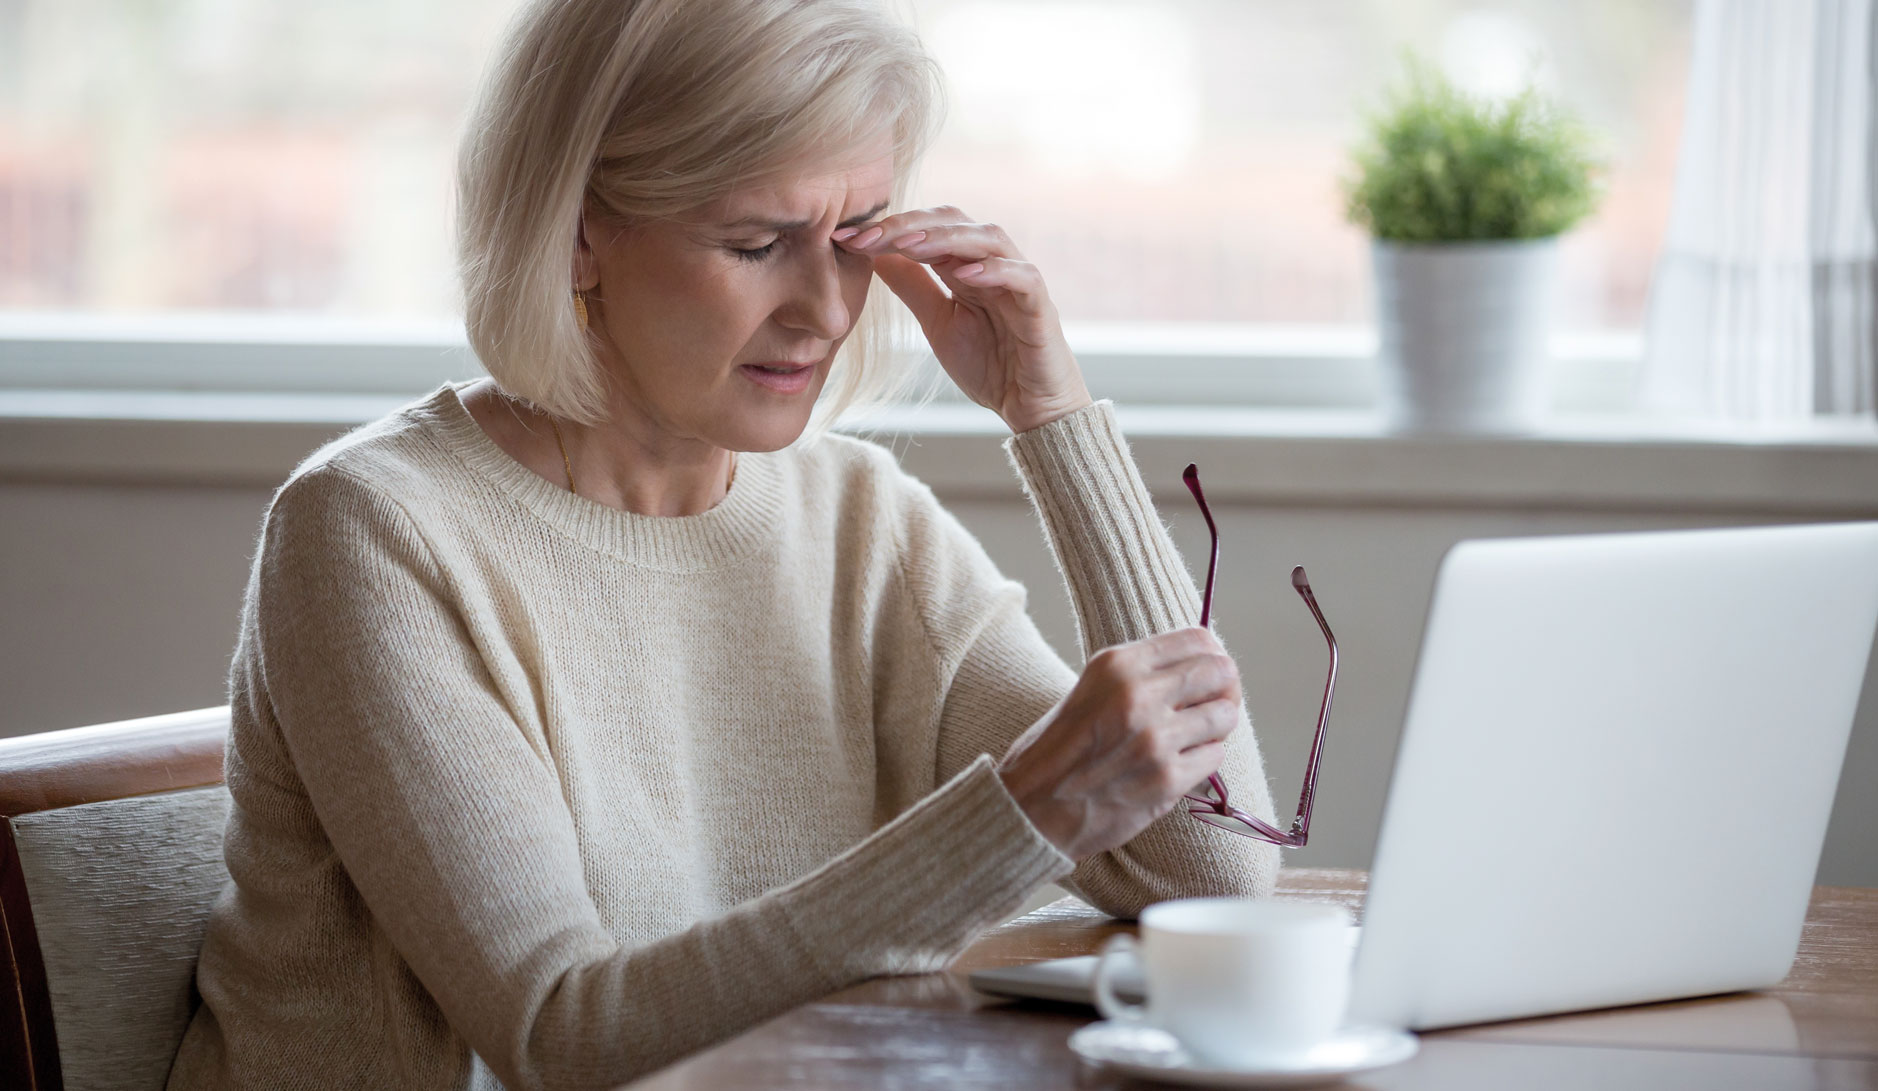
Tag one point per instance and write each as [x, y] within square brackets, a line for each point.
[1211, 805]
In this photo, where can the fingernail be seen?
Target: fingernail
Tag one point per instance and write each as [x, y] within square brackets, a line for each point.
[907, 240]
[845, 234]
[970, 271]
[868, 238]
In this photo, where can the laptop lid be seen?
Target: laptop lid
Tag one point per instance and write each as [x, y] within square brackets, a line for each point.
[1616, 771]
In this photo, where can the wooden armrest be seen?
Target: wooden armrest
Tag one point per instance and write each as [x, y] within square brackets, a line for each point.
[112, 761]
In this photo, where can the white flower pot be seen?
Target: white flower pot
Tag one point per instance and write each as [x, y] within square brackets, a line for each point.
[1463, 333]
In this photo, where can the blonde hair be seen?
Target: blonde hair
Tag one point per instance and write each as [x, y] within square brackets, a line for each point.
[650, 108]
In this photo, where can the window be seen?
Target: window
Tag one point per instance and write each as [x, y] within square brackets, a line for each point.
[1178, 160]
[1166, 162]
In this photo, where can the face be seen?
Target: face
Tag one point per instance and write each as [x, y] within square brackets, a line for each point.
[688, 309]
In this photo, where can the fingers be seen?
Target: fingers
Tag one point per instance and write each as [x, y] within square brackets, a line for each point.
[1198, 763]
[1145, 724]
[1202, 725]
[1020, 278]
[929, 234]
[930, 301]
[1174, 669]
[978, 255]
[962, 242]
[1162, 649]
[1156, 652]
[908, 279]
[1181, 686]
[1209, 676]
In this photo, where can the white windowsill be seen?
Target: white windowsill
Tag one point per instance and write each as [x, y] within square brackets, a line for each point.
[1273, 414]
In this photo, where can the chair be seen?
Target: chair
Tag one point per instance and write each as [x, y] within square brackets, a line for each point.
[110, 858]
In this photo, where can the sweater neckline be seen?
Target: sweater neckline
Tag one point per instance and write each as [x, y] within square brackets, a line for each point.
[737, 527]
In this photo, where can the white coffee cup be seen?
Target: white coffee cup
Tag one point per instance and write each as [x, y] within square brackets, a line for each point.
[1239, 981]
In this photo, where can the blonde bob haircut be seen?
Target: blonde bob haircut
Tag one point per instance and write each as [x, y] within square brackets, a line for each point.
[649, 109]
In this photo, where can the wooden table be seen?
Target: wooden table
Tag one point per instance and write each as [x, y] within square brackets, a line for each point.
[1816, 1029]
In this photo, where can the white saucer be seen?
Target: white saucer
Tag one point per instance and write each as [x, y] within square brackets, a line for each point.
[1157, 1055]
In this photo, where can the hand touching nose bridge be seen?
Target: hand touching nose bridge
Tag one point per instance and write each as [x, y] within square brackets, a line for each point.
[983, 307]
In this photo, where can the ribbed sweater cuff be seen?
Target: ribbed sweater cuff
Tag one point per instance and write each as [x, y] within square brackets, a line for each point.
[1123, 571]
[910, 898]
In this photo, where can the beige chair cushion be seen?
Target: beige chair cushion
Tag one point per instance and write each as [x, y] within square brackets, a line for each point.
[120, 892]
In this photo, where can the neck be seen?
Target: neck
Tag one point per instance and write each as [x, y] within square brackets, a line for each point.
[628, 462]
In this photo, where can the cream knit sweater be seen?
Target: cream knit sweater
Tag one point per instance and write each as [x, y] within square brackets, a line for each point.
[524, 781]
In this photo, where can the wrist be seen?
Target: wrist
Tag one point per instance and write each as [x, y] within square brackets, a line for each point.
[1050, 822]
[1028, 417]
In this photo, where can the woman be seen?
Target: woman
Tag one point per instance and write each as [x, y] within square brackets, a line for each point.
[589, 714]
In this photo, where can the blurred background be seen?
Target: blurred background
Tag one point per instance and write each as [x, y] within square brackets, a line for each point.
[1167, 162]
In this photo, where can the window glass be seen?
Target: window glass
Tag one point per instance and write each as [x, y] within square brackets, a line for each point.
[1166, 161]
[1179, 160]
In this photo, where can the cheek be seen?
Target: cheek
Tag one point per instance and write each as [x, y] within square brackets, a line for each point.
[701, 302]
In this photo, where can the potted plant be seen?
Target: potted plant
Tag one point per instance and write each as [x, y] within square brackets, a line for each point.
[1464, 199]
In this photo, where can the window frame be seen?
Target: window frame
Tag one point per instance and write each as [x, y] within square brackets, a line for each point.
[1144, 363]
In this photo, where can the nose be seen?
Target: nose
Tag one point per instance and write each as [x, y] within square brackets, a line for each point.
[815, 303]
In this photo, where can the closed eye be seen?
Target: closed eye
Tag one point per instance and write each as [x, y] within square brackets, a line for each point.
[759, 253]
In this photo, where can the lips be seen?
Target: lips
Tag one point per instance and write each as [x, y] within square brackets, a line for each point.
[782, 376]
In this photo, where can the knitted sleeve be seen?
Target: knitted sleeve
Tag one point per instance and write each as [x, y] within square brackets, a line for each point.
[451, 825]
[1126, 582]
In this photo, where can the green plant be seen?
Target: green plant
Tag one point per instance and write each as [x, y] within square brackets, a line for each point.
[1440, 166]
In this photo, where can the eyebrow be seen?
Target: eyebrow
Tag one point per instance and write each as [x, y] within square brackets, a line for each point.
[797, 225]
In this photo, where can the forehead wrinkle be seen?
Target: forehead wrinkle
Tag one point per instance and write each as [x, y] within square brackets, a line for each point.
[796, 225]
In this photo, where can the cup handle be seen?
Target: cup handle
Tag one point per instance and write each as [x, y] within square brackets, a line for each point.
[1106, 1002]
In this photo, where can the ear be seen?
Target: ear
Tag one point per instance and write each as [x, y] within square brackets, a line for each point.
[586, 268]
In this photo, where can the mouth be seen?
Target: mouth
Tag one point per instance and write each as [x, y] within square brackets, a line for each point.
[782, 377]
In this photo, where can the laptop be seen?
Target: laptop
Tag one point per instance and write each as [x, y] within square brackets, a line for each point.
[1614, 779]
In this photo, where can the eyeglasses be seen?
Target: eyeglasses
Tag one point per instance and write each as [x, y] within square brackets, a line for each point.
[1211, 805]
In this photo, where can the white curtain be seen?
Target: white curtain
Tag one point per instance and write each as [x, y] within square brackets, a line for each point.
[1763, 306]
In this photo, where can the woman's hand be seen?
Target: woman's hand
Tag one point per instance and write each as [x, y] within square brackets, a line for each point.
[1145, 724]
[988, 317]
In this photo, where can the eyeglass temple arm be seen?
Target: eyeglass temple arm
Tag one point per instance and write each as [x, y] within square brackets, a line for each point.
[1191, 475]
[1301, 825]
[1300, 833]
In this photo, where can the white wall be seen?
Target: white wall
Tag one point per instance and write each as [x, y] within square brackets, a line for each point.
[120, 598]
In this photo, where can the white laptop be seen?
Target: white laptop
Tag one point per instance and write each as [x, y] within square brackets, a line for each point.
[1614, 780]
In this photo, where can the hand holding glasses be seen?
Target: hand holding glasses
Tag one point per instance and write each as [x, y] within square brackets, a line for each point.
[1210, 804]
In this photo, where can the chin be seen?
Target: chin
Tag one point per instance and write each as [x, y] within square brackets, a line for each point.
[771, 431]
[773, 426]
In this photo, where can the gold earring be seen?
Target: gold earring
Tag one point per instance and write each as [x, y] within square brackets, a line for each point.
[580, 308]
